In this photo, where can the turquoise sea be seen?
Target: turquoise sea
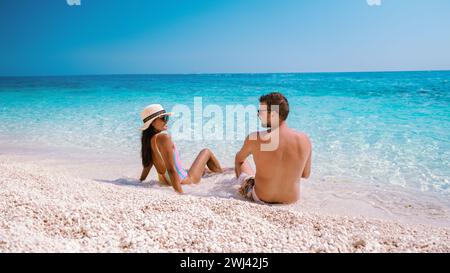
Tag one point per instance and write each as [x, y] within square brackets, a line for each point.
[380, 128]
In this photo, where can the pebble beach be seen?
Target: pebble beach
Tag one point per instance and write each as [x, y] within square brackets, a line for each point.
[44, 209]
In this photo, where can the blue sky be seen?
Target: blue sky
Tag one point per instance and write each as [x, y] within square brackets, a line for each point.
[222, 36]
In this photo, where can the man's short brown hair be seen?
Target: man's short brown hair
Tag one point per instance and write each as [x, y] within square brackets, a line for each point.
[276, 98]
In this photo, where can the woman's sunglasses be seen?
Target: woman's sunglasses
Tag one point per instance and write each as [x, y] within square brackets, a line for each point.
[164, 118]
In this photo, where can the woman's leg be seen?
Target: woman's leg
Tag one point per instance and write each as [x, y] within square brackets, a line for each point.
[204, 158]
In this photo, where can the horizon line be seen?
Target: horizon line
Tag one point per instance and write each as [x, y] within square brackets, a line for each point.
[219, 73]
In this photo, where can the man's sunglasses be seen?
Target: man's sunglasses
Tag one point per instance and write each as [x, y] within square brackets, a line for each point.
[259, 111]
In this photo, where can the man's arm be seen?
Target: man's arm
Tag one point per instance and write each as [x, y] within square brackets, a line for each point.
[307, 169]
[242, 155]
[145, 172]
[167, 154]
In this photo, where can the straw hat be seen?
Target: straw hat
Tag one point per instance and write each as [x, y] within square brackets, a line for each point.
[152, 112]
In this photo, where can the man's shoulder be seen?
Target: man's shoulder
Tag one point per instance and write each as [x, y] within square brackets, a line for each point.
[301, 136]
[255, 135]
[259, 136]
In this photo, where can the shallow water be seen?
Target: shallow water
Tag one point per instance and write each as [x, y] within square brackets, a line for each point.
[366, 128]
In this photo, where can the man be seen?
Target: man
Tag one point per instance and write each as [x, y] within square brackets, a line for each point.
[282, 156]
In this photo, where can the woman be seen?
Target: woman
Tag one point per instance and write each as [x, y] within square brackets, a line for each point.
[159, 150]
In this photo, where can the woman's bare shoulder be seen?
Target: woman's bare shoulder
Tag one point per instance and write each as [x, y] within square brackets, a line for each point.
[163, 138]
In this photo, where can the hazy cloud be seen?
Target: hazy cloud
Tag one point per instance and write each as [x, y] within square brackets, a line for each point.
[374, 2]
[73, 2]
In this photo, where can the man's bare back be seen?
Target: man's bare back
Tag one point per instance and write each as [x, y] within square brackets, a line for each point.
[279, 170]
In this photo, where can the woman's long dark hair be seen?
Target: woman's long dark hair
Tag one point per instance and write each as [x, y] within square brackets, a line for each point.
[146, 145]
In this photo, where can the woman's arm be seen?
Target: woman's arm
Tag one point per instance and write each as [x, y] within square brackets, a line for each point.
[145, 172]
